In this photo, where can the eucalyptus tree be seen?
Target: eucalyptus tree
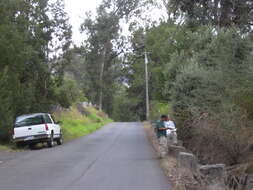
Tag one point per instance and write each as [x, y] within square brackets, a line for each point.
[103, 46]
[223, 13]
[28, 29]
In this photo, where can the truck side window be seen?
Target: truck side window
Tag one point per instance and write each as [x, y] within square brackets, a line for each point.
[47, 119]
[52, 117]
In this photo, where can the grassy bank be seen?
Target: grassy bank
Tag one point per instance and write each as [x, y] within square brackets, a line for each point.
[6, 147]
[76, 124]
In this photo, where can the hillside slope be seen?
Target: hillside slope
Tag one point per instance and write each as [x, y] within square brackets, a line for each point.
[80, 120]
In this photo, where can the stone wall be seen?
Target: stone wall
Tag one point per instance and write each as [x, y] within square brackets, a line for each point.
[216, 176]
[211, 176]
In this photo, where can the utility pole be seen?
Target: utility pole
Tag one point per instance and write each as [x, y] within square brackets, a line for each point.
[147, 86]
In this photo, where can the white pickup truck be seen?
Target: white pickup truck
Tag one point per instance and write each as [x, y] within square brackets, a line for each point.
[36, 128]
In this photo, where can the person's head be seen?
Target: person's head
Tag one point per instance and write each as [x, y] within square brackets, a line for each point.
[164, 117]
[169, 118]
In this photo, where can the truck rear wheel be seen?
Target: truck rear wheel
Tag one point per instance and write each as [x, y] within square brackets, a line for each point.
[59, 141]
[50, 142]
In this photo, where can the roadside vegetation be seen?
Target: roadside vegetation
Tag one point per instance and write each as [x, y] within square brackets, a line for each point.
[76, 124]
[6, 147]
[159, 108]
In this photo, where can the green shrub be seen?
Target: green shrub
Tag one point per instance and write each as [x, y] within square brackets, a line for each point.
[69, 93]
[215, 81]
[159, 108]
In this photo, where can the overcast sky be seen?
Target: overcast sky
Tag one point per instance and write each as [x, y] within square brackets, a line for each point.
[77, 9]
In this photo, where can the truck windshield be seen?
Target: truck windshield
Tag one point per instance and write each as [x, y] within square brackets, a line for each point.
[29, 120]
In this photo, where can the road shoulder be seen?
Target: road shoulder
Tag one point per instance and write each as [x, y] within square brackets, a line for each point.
[179, 178]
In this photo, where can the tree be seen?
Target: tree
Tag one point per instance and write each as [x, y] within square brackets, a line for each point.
[222, 13]
[101, 53]
[27, 78]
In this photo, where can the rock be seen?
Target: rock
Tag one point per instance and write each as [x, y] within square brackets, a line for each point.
[179, 143]
[249, 169]
[249, 184]
[213, 172]
[217, 186]
[82, 109]
[174, 150]
[188, 160]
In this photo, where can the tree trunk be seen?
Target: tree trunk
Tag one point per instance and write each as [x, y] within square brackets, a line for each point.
[226, 13]
[216, 11]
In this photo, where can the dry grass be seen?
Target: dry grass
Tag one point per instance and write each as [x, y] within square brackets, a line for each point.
[212, 143]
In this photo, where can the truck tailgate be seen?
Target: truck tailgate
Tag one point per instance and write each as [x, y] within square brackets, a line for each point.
[28, 131]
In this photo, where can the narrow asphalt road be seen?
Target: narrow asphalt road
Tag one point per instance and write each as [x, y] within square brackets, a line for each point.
[116, 157]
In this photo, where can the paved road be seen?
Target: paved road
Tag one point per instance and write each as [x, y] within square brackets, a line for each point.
[117, 157]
